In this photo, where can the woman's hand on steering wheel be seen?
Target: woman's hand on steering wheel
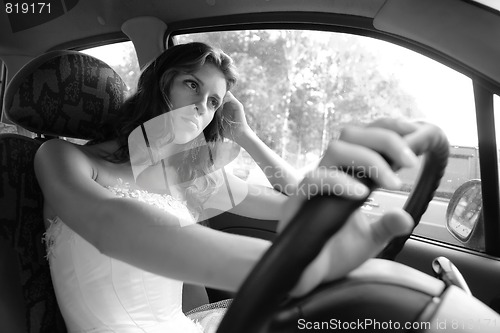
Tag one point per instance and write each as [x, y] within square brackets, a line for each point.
[367, 149]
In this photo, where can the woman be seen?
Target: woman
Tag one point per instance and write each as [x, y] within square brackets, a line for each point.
[119, 253]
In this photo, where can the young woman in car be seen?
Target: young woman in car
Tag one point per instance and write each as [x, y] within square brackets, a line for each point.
[120, 250]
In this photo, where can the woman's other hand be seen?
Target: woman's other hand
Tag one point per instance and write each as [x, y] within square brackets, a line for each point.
[362, 148]
[233, 114]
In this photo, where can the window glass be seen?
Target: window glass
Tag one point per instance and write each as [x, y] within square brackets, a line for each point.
[496, 108]
[122, 58]
[5, 125]
[300, 87]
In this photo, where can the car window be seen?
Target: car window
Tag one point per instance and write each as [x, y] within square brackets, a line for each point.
[5, 125]
[496, 107]
[300, 87]
[122, 58]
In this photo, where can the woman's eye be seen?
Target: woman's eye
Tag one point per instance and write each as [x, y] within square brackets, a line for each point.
[214, 103]
[192, 85]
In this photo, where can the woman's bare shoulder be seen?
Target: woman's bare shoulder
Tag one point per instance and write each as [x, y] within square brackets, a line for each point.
[62, 149]
[59, 158]
[59, 149]
[58, 155]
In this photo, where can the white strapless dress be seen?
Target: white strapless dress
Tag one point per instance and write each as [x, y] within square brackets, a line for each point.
[97, 293]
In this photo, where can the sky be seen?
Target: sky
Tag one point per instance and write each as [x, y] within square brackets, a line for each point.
[444, 95]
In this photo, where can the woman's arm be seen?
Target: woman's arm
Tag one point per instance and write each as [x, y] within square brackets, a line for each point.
[244, 199]
[136, 232]
[153, 240]
[282, 176]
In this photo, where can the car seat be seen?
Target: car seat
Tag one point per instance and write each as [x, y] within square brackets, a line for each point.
[59, 94]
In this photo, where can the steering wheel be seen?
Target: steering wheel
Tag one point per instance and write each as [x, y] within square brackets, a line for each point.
[261, 304]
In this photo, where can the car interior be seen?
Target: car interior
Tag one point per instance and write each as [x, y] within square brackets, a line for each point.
[55, 83]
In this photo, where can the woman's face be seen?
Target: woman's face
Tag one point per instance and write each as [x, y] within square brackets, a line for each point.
[205, 89]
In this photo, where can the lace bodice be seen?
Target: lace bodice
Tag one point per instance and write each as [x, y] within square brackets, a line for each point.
[97, 293]
[162, 201]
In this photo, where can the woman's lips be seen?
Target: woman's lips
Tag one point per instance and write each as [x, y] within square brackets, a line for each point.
[191, 121]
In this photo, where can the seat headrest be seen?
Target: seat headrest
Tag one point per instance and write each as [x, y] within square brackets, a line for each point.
[65, 93]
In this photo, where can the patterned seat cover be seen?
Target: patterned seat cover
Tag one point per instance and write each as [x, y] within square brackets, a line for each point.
[59, 94]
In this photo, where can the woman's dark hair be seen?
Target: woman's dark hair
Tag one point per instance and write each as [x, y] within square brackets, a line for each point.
[152, 99]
